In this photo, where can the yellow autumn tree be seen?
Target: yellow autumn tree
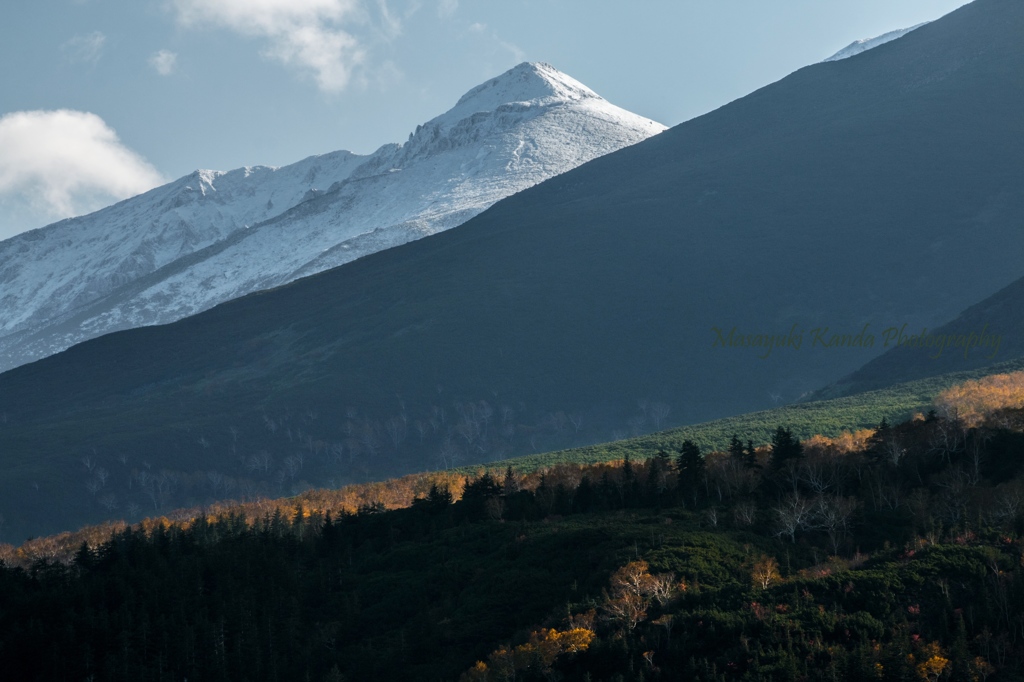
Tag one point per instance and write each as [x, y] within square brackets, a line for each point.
[765, 572]
[544, 647]
[843, 444]
[932, 662]
[975, 401]
[478, 673]
[633, 589]
[981, 669]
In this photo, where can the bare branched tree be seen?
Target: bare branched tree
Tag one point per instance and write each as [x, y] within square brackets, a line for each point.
[216, 480]
[658, 412]
[745, 514]
[955, 483]
[1008, 505]
[947, 438]
[792, 514]
[893, 450]
[637, 424]
[260, 462]
[834, 514]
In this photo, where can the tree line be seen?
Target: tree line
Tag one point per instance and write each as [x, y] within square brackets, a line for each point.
[894, 553]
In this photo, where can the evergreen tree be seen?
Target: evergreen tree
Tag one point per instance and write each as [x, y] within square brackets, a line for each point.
[329, 533]
[664, 461]
[690, 468]
[736, 451]
[785, 448]
[876, 443]
[657, 469]
[607, 493]
[85, 558]
[750, 456]
[960, 653]
[629, 486]
[511, 484]
[583, 501]
[477, 495]
[438, 499]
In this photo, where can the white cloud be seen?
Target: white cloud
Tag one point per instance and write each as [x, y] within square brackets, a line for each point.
[307, 33]
[87, 48]
[480, 29]
[447, 8]
[63, 163]
[517, 53]
[164, 61]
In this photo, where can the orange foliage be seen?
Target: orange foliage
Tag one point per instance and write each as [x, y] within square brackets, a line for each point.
[633, 590]
[539, 653]
[392, 494]
[974, 402]
[843, 444]
[60, 547]
[981, 669]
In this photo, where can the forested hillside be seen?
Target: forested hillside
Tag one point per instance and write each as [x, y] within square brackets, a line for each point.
[895, 553]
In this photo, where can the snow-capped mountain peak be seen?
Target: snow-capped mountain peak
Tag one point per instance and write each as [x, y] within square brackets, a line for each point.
[212, 235]
[525, 92]
[526, 82]
[858, 46]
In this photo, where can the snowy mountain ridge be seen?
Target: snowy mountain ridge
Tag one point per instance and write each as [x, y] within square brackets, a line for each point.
[858, 46]
[212, 236]
[78, 260]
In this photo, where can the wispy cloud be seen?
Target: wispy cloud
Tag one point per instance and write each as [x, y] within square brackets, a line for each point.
[391, 24]
[514, 49]
[164, 61]
[446, 8]
[481, 29]
[64, 163]
[86, 48]
[311, 34]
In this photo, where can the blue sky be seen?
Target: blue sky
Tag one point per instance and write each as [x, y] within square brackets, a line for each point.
[102, 99]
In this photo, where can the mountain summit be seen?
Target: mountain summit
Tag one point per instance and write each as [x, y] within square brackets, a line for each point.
[865, 44]
[527, 82]
[213, 236]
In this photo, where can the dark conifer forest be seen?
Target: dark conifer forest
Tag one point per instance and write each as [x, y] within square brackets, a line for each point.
[895, 553]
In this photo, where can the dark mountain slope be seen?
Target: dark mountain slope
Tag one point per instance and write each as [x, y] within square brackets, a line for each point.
[985, 333]
[879, 190]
